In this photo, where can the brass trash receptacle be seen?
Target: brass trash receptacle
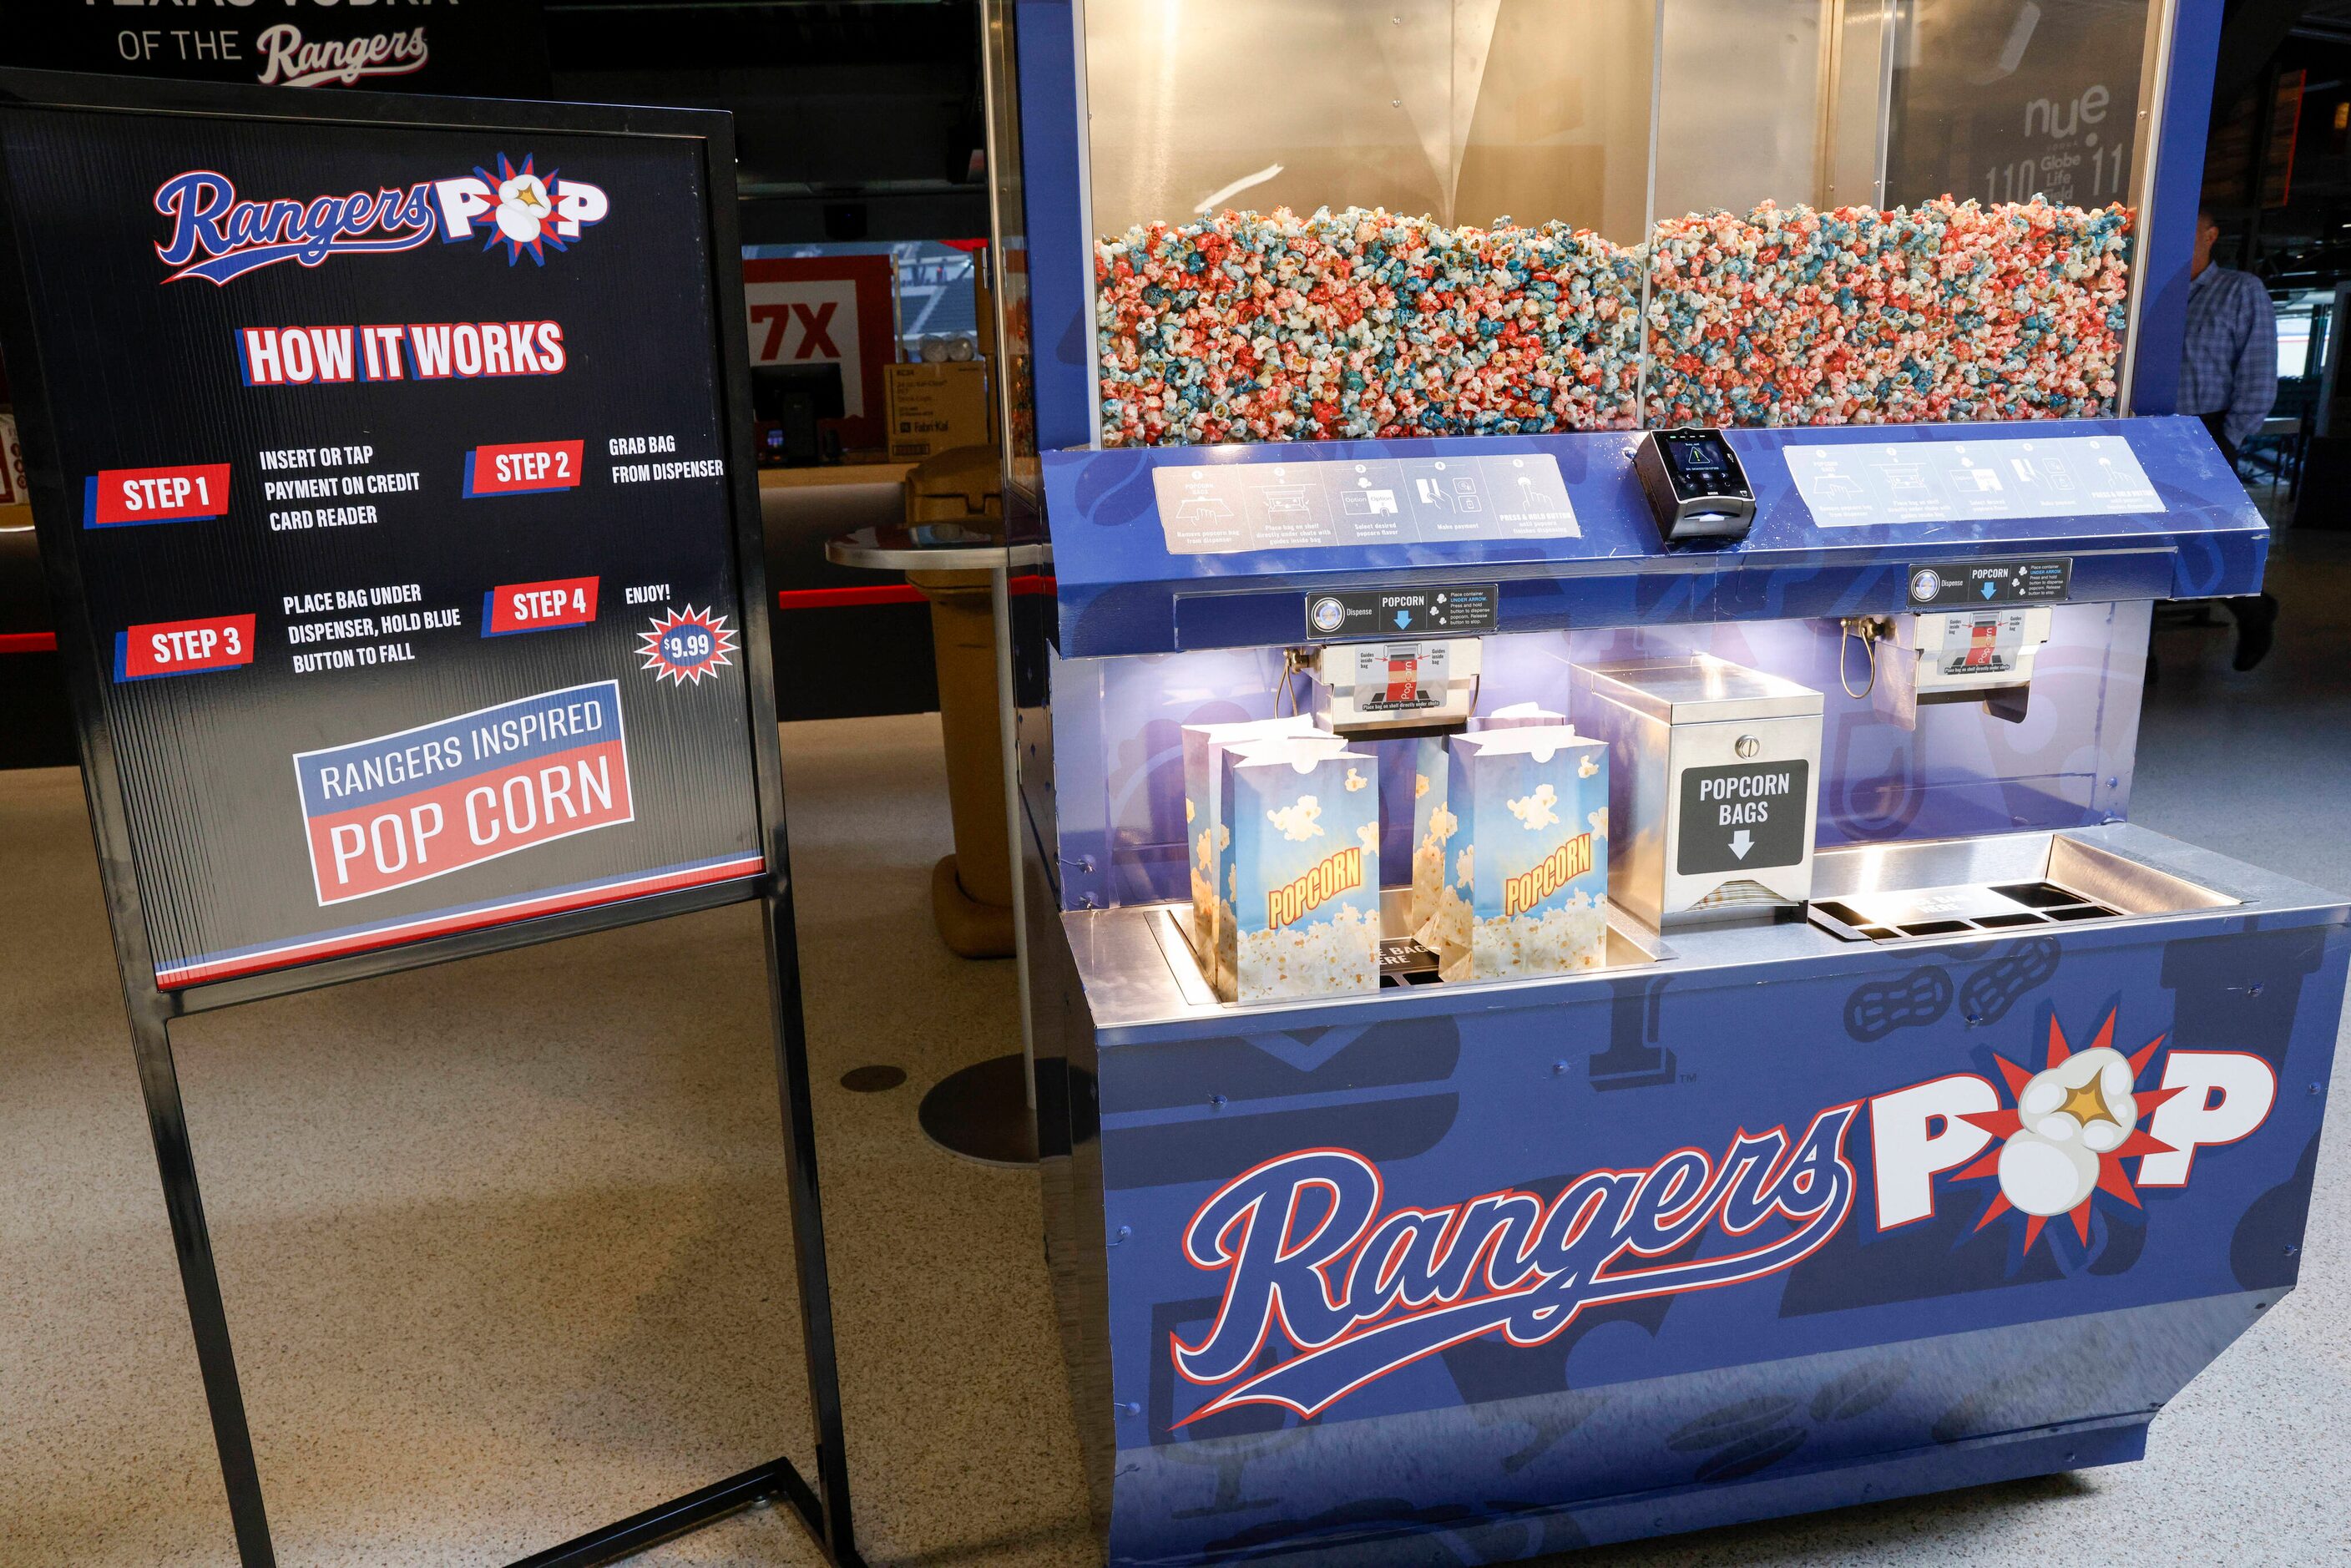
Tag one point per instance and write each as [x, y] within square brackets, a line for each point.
[971, 890]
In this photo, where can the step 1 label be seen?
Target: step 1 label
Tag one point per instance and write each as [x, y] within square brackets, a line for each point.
[185, 493]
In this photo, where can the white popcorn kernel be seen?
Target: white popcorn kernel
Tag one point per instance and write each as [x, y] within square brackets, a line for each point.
[1534, 812]
[1297, 820]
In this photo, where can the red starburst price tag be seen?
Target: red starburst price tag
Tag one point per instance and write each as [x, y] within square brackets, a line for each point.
[687, 646]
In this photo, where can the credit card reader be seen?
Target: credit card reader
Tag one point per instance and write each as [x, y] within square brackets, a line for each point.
[1694, 486]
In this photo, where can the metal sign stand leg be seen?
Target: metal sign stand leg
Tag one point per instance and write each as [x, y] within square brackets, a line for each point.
[824, 1509]
[829, 1519]
[167, 1123]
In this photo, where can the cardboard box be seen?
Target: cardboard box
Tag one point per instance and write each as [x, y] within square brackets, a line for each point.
[935, 408]
[14, 491]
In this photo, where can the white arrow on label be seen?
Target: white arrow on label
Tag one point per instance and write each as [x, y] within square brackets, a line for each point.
[1741, 843]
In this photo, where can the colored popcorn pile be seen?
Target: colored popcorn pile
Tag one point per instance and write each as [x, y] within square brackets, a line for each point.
[1945, 311]
[1251, 327]
[1274, 328]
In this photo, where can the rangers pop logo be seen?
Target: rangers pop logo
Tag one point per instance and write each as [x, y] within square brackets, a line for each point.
[218, 235]
[1356, 1291]
[526, 213]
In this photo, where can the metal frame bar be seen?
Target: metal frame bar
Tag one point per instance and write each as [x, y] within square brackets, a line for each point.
[823, 1509]
[2176, 116]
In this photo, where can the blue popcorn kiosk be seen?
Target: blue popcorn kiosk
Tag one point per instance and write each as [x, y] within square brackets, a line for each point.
[1925, 1122]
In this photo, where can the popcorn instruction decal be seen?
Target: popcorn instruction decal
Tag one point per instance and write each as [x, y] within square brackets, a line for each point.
[1313, 1259]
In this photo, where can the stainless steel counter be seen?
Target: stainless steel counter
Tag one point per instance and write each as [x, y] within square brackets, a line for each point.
[1137, 968]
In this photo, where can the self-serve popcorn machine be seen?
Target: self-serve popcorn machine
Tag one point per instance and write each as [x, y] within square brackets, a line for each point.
[1588, 969]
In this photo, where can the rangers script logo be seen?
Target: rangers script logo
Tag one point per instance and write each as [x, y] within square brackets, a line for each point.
[1345, 1292]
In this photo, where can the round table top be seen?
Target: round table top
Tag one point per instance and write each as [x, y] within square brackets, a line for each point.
[919, 547]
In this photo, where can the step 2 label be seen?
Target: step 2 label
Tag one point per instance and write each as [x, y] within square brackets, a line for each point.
[522, 468]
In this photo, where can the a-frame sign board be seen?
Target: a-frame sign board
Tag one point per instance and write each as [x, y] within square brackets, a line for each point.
[392, 466]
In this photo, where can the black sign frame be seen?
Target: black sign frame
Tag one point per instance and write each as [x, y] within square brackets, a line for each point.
[823, 1507]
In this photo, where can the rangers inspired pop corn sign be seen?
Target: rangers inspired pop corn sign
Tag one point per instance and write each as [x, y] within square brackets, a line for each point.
[1314, 1261]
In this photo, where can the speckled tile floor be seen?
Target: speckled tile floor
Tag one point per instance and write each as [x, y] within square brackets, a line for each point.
[505, 1254]
[504, 1243]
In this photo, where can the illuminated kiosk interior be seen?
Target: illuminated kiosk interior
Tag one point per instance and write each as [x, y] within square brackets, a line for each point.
[1908, 1119]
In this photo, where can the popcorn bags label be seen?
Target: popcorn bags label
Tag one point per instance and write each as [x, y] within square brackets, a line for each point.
[1301, 874]
[1528, 857]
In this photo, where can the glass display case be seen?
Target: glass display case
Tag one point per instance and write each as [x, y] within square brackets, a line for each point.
[1598, 566]
[1540, 216]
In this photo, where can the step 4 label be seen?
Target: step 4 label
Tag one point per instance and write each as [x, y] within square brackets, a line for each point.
[539, 606]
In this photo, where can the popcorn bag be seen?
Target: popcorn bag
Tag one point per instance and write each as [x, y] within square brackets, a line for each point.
[1528, 853]
[1301, 871]
[1204, 745]
[1520, 716]
[1430, 823]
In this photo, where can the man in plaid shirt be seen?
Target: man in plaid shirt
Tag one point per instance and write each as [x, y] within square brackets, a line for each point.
[2227, 376]
[2228, 371]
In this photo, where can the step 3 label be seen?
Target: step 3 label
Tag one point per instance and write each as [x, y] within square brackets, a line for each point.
[183, 647]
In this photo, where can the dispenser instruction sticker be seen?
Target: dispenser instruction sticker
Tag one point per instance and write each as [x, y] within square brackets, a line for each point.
[1987, 643]
[1401, 678]
[1744, 816]
[1451, 610]
[1974, 582]
[1856, 484]
[1218, 508]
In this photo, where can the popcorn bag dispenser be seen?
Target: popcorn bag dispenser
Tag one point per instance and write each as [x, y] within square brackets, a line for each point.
[1588, 968]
